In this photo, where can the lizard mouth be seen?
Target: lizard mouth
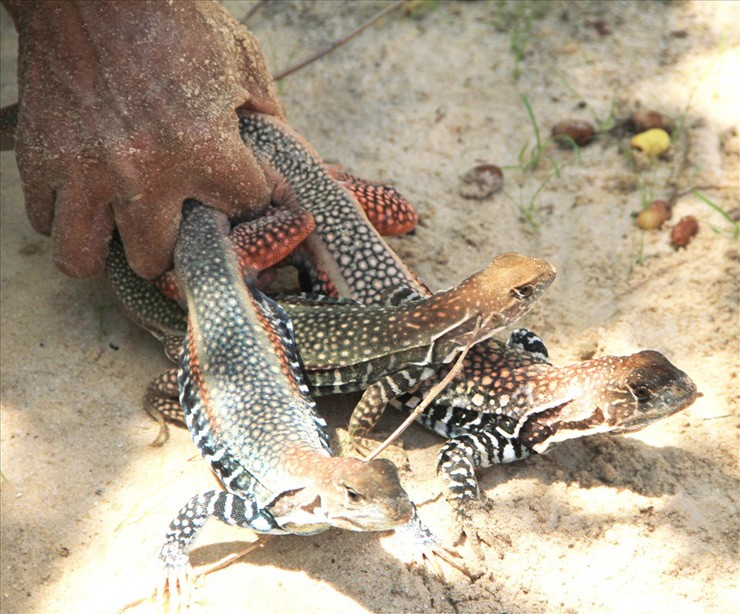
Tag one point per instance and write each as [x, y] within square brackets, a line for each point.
[378, 519]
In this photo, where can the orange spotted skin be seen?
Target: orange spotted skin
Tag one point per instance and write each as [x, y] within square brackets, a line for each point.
[386, 208]
[259, 244]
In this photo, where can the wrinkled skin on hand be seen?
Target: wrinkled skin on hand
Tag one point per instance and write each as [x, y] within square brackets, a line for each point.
[126, 110]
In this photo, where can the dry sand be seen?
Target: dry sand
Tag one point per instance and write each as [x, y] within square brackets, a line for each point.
[642, 523]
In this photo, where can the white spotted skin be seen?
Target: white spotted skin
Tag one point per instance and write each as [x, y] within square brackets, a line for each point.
[346, 243]
[247, 407]
[252, 419]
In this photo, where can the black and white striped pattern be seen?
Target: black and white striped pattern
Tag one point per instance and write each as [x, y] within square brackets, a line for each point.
[242, 511]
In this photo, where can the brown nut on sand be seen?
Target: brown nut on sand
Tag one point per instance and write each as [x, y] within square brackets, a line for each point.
[646, 120]
[684, 231]
[654, 215]
[571, 131]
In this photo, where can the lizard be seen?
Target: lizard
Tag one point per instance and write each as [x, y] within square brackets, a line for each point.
[344, 252]
[250, 415]
[521, 404]
[585, 398]
[345, 346]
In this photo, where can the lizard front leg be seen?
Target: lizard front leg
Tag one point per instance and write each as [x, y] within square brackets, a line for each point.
[457, 461]
[372, 404]
[238, 510]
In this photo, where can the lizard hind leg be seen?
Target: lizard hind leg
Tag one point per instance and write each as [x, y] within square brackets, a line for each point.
[266, 241]
[386, 208]
[162, 403]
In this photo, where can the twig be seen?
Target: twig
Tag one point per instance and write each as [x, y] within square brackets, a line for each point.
[233, 558]
[431, 395]
[256, 7]
[329, 48]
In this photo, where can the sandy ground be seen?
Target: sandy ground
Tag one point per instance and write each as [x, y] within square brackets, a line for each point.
[642, 523]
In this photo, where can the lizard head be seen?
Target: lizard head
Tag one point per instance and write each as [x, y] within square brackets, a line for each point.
[645, 388]
[509, 286]
[614, 394]
[364, 496]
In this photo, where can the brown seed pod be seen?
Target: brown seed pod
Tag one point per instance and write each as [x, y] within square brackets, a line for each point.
[646, 120]
[571, 131]
[481, 181]
[654, 215]
[684, 231]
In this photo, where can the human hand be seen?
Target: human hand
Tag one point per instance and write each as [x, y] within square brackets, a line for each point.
[126, 110]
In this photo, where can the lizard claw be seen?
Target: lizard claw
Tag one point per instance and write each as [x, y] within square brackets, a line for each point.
[468, 532]
[176, 579]
[175, 589]
[428, 550]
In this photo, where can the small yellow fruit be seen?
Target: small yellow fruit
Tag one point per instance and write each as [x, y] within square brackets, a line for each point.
[654, 215]
[653, 142]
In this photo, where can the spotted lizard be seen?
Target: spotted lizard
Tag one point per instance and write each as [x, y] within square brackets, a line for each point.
[250, 414]
[345, 256]
[520, 404]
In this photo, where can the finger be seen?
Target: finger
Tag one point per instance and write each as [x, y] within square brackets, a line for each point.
[37, 189]
[148, 229]
[232, 180]
[82, 228]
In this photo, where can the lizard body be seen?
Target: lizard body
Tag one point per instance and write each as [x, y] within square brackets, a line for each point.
[250, 414]
[521, 405]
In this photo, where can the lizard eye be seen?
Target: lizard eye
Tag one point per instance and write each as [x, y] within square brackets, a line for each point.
[642, 393]
[352, 495]
[523, 292]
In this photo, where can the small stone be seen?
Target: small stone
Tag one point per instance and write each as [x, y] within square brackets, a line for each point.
[571, 131]
[654, 215]
[29, 249]
[684, 231]
[481, 182]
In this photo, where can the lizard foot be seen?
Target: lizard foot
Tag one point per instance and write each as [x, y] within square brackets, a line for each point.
[175, 589]
[176, 581]
[428, 551]
[362, 445]
[470, 515]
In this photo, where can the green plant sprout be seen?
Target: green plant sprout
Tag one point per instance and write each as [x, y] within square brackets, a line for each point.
[735, 225]
[517, 18]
